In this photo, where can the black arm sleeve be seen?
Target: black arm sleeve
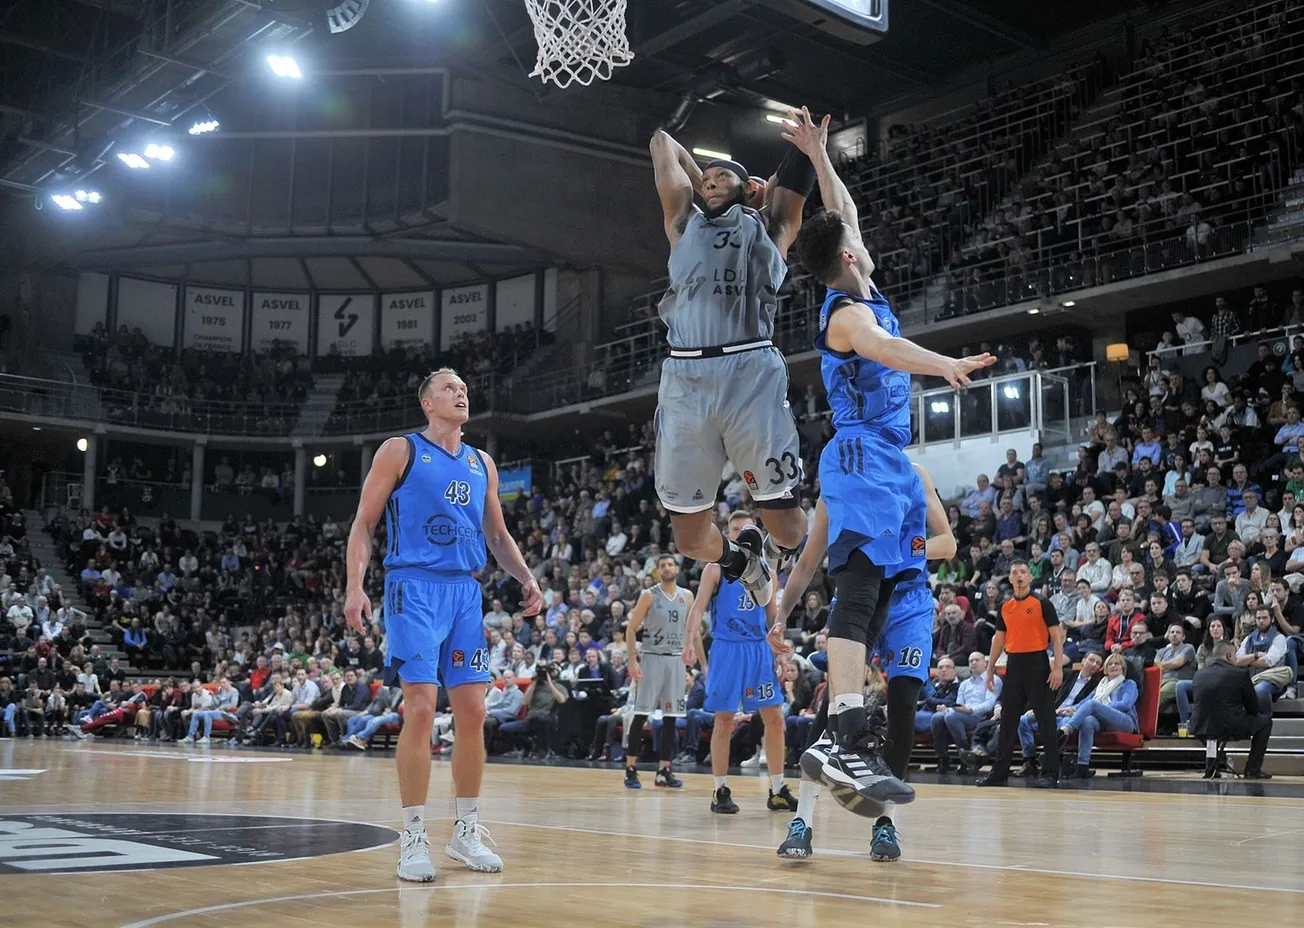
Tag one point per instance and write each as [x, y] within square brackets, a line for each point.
[795, 172]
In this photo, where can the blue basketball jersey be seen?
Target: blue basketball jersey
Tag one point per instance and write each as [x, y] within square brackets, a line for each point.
[435, 516]
[861, 392]
[734, 617]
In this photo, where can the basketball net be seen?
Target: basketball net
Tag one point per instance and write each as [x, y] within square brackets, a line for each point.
[580, 41]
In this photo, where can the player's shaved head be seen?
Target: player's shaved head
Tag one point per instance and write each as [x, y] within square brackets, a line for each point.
[819, 244]
[426, 385]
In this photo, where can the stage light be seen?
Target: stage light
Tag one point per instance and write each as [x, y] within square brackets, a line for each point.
[133, 160]
[82, 444]
[205, 126]
[712, 155]
[284, 66]
[156, 152]
[319, 461]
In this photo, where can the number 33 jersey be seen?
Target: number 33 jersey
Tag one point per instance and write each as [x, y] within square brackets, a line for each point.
[435, 514]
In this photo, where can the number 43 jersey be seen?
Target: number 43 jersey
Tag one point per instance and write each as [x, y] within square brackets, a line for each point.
[435, 514]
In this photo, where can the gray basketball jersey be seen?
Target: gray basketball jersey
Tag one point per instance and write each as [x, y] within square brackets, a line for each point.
[663, 626]
[724, 277]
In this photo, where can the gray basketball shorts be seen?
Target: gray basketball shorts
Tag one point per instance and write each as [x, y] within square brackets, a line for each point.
[662, 686]
[713, 409]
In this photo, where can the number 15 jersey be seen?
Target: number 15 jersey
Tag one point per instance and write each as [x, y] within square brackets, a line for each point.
[435, 514]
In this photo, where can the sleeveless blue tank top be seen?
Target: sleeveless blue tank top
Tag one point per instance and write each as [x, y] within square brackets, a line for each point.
[864, 393]
[734, 617]
[435, 516]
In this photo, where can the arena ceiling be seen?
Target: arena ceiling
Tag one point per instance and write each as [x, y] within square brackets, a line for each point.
[79, 77]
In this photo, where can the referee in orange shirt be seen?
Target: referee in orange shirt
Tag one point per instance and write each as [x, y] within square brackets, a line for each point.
[1027, 624]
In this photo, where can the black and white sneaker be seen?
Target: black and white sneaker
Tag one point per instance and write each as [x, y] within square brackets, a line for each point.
[864, 771]
[814, 757]
[756, 578]
[779, 559]
[797, 846]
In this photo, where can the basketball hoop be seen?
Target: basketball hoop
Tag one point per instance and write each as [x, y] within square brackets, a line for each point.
[580, 41]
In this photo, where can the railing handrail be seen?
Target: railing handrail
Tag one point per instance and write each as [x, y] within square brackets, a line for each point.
[1054, 372]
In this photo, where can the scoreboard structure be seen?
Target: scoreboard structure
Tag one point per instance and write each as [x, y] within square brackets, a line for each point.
[861, 21]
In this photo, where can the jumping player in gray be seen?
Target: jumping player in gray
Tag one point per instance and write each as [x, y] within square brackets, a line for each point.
[662, 614]
[723, 392]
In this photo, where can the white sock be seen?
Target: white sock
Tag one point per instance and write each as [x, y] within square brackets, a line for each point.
[776, 782]
[468, 810]
[846, 701]
[414, 818]
[807, 793]
[720, 781]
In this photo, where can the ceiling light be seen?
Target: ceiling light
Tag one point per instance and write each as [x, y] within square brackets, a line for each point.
[284, 66]
[319, 461]
[82, 444]
[1068, 303]
[939, 407]
[1034, 310]
[204, 126]
[159, 152]
[133, 160]
[87, 196]
[780, 120]
[63, 201]
[713, 155]
[1010, 391]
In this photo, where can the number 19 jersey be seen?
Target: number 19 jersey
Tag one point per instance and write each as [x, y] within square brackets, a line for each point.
[435, 515]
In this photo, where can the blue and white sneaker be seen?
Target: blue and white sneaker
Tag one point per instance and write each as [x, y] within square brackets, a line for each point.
[886, 845]
[797, 846]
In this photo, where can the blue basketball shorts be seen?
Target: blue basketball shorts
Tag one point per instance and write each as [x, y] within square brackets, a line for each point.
[434, 630]
[875, 501]
[741, 677]
[905, 647]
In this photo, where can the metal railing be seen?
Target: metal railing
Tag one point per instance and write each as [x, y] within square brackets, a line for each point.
[1046, 401]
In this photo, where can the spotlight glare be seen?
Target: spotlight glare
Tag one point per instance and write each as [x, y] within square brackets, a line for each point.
[780, 120]
[159, 152]
[284, 66]
[205, 126]
[712, 154]
[133, 160]
[82, 444]
[1011, 392]
[63, 201]
[939, 407]
[319, 460]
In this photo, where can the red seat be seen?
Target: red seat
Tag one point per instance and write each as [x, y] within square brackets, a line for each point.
[1147, 713]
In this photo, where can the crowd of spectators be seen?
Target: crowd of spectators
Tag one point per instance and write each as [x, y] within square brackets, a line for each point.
[148, 384]
[1207, 130]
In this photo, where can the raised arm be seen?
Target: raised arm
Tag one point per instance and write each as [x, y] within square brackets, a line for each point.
[853, 327]
[813, 140]
[502, 546]
[386, 468]
[677, 176]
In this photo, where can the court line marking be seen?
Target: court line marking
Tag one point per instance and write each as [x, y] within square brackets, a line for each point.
[836, 852]
[774, 890]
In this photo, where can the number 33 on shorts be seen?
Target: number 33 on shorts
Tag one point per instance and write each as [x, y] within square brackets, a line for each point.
[784, 468]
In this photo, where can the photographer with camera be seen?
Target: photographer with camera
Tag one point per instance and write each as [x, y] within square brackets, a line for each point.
[534, 732]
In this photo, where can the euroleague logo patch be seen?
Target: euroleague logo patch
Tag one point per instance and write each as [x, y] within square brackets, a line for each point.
[918, 546]
[459, 658]
[749, 692]
[750, 478]
[89, 843]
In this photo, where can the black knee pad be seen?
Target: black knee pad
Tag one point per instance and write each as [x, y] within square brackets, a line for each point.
[863, 598]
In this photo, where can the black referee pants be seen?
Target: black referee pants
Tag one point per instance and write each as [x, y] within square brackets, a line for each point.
[1026, 687]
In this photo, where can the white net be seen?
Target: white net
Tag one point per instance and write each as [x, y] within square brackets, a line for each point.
[580, 41]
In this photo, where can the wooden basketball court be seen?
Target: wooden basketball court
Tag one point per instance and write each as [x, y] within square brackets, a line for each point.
[120, 834]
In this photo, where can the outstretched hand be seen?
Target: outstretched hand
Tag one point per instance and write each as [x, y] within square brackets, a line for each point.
[960, 369]
[777, 642]
[802, 130]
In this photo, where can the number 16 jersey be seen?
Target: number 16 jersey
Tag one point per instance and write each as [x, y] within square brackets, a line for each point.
[435, 514]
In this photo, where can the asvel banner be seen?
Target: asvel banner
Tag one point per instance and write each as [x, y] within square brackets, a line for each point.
[214, 319]
[346, 324]
[463, 310]
[280, 317]
[407, 319]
